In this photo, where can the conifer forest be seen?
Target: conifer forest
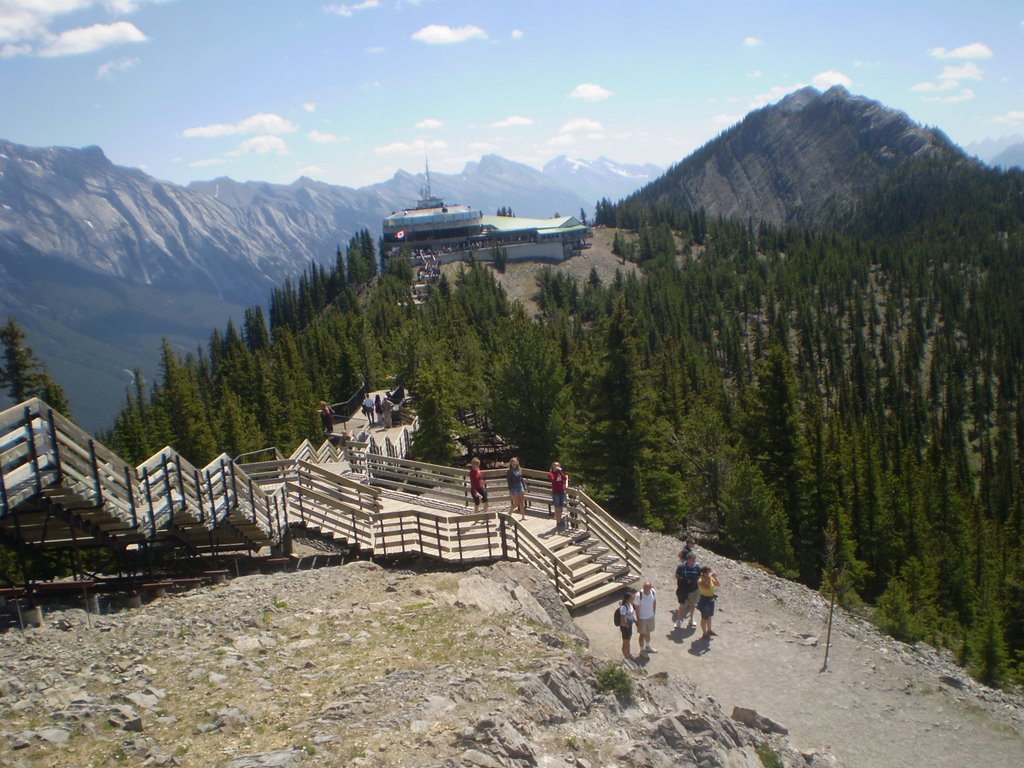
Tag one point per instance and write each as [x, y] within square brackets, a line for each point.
[840, 405]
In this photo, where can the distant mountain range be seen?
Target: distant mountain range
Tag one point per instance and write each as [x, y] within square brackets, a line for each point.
[601, 178]
[98, 261]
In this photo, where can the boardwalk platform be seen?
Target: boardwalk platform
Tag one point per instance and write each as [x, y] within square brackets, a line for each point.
[62, 491]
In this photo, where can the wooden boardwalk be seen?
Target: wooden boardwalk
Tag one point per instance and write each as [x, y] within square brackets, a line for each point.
[61, 491]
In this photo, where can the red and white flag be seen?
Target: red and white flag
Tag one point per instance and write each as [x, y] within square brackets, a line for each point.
[400, 234]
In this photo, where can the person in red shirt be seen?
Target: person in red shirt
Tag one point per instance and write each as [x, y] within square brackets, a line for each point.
[477, 486]
[559, 480]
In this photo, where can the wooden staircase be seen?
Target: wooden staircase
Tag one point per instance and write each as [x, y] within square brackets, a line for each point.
[60, 489]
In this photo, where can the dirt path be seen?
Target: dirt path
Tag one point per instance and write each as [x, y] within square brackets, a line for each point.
[880, 703]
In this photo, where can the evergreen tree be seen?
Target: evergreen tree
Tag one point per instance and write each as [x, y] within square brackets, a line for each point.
[22, 373]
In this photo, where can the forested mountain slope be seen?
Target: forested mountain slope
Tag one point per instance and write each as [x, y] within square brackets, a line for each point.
[833, 405]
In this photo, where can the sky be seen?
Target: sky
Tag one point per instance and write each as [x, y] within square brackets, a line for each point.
[351, 92]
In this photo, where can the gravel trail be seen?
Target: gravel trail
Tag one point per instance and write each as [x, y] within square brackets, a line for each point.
[879, 703]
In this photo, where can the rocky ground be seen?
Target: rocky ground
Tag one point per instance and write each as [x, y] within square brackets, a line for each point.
[879, 703]
[520, 278]
[354, 665]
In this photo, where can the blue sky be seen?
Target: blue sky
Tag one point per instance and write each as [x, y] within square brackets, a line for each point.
[350, 92]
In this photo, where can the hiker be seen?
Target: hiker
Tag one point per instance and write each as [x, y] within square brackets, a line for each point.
[368, 409]
[516, 487]
[387, 407]
[326, 418]
[559, 481]
[687, 576]
[706, 602]
[477, 486]
[646, 602]
[627, 618]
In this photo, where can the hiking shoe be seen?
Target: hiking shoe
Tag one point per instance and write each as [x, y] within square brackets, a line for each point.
[679, 625]
[712, 633]
[691, 626]
[651, 649]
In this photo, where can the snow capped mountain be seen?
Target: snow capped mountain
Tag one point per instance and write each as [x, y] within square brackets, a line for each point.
[600, 178]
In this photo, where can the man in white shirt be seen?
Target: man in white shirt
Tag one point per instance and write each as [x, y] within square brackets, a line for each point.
[646, 602]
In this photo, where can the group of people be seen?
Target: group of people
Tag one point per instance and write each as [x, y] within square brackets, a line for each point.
[696, 592]
[557, 476]
[378, 410]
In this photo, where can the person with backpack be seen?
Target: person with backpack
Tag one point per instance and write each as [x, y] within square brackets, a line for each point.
[625, 618]
[687, 592]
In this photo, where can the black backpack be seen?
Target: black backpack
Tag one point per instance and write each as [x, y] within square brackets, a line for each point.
[618, 616]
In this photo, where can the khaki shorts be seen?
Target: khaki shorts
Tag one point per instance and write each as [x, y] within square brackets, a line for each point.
[691, 601]
[645, 626]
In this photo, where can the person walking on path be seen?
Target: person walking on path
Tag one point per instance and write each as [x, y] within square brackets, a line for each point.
[559, 481]
[378, 410]
[516, 487]
[687, 576]
[326, 418]
[387, 407]
[627, 618]
[368, 409]
[646, 601]
[706, 585]
[477, 486]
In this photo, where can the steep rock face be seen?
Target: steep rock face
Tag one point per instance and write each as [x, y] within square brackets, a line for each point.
[801, 161]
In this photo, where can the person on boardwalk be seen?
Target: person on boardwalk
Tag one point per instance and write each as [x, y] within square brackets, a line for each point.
[646, 601]
[627, 618]
[477, 486]
[368, 409]
[516, 487]
[687, 576]
[378, 410]
[326, 418]
[706, 585]
[387, 407]
[559, 481]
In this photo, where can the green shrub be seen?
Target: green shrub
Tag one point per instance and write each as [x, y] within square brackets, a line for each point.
[613, 678]
[769, 757]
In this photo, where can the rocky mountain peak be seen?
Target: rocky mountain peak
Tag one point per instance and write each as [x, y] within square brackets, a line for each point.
[802, 161]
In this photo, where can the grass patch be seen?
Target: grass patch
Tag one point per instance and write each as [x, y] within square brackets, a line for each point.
[769, 757]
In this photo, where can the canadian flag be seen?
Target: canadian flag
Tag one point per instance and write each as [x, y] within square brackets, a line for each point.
[400, 234]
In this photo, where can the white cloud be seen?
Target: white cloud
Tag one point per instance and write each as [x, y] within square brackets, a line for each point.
[89, 39]
[825, 80]
[755, 74]
[512, 121]
[517, 34]
[581, 124]
[442, 34]
[483, 147]
[752, 42]
[969, 71]
[412, 148]
[261, 145]
[929, 87]
[259, 123]
[972, 51]
[375, 50]
[958, 98]
[348, 10]
[111, 68]
[207, 163]
[311, 170]
[561, 140]
[318, 137]
[1013, 117]
[309, 106]
[723, 120]
[428, 124]
[589, 92]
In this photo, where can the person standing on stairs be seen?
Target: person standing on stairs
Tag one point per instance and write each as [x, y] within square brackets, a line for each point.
[516, 488]
[477, 486]
[559, 481]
